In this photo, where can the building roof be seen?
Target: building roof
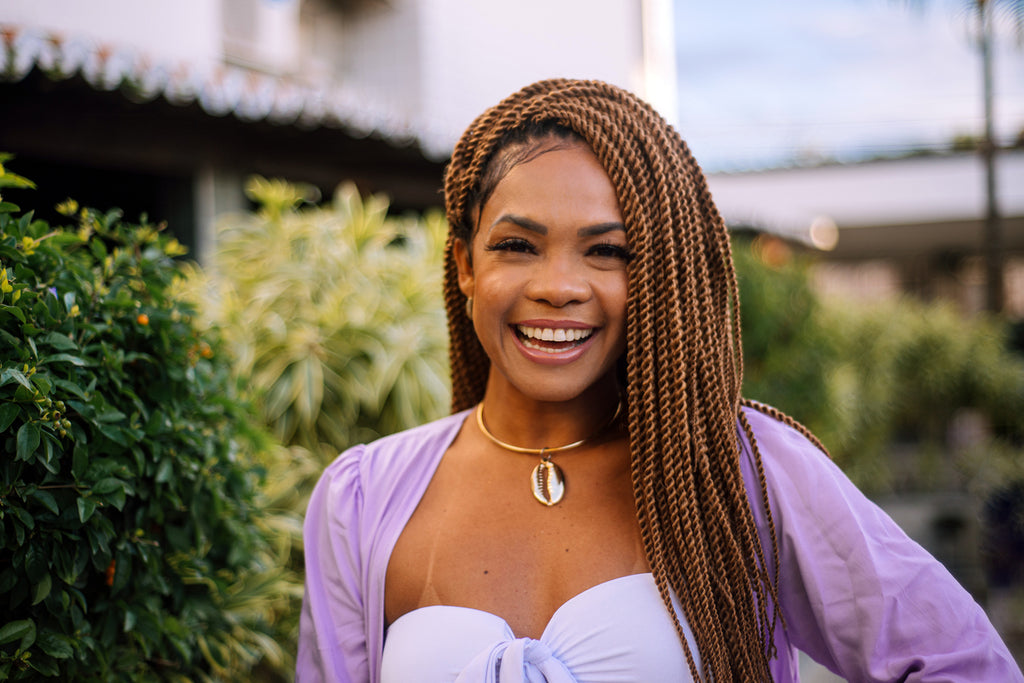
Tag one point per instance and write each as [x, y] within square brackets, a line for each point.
[221, 90]
[930, 190]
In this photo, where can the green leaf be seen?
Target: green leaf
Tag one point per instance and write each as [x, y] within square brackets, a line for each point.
[15, 375]
[28, 440]
[63, 565]
[42, 589]
[86, 506]
[115, 434]
[47, 667]
[79, 460]
[9, 340]
[23, 629]
[64, 358]
[59, 341]
[13, 310]
[107, 485]
[164, 470]
[47, 499]
[111, 415]
[116, 498]
[42, 383]
[36, 560]
[8, 412]
[129, 620]
[24, 517]
[51, 447]
[55, 645]
[99, 250]
[9, 252]
[70, 387]
[8, 179]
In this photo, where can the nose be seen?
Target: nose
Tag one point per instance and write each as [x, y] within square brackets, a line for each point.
[559, 280]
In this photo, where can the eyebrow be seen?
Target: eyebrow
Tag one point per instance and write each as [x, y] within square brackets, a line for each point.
[540, 229]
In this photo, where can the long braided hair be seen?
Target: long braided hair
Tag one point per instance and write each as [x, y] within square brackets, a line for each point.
[683, 361]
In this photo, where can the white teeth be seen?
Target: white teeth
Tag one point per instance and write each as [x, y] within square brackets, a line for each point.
[537, 347]
[555, 335]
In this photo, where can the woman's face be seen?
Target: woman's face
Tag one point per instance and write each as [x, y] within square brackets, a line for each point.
[547, 272]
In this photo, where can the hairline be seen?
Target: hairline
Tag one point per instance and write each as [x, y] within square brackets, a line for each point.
[513, 153]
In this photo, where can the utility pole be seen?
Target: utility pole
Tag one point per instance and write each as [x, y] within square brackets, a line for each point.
[993, 247]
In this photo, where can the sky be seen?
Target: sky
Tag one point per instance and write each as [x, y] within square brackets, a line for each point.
[764, 84]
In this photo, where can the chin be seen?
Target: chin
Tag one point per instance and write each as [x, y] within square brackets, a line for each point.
[560, 392]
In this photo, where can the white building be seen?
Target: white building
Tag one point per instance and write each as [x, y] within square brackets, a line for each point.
[165, 106]
[890, 226]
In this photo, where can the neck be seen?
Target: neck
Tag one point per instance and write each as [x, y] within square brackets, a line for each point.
[533, 424]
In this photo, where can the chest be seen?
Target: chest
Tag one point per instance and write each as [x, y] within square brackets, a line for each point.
[616, 631]
[483, 542]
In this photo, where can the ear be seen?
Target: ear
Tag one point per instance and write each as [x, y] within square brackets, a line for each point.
[464, 264]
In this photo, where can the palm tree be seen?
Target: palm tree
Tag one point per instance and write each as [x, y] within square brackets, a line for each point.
[984, 11]
[994, 280]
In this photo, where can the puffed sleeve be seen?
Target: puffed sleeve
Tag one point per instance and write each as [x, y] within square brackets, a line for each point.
[857, 594]
[332, 631]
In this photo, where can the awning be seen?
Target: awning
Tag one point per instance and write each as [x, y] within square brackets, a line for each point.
[220, 91]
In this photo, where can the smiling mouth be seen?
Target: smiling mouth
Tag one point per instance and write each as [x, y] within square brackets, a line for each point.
[552, 339]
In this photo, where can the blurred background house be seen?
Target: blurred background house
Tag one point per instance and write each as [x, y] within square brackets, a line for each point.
[166, 108]
[881, 228]
[172, 104]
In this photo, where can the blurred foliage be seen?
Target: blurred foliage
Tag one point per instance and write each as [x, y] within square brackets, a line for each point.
[922, 373]
[787, 351]
[135, 541]
[334, 313]
[335, 320]
[906, 395]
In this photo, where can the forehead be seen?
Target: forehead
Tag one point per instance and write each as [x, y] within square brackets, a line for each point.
[562, 181]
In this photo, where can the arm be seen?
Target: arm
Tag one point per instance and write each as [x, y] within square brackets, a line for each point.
[332, 635]
[857, 594]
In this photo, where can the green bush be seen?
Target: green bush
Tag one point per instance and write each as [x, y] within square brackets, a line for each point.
[884, 385]
[911, 372]
[334, 320]
[334, 314]
[132, 545]
[787, 353]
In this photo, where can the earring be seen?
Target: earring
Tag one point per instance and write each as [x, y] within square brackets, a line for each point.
[469, 307]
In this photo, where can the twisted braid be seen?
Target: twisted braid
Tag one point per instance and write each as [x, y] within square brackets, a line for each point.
[683, 365]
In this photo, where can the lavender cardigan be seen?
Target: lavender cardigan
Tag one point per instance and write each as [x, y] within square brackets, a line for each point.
[857, 595]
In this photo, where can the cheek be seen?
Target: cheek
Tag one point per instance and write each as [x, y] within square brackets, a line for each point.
[616, 293]
[618, 299]
[493, 296]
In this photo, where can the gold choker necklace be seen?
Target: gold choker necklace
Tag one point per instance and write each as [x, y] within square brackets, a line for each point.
[547, 480]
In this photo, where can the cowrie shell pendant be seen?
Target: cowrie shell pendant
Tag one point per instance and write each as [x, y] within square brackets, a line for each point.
[548, 483]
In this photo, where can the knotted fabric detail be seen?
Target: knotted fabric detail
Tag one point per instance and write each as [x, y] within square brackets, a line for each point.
[516, 661]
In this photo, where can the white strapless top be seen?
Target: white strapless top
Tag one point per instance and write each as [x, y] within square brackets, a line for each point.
[614, 632]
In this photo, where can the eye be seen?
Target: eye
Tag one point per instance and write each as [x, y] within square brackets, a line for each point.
[608, 250]
[512, 244]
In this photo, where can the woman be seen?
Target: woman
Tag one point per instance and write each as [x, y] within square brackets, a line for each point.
[602, 506]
